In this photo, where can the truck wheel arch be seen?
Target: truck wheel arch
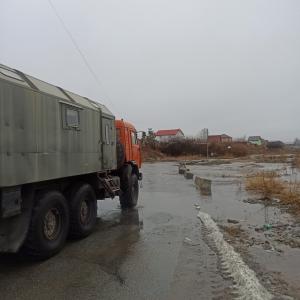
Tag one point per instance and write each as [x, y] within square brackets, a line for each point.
[121, 156]
[14, 230]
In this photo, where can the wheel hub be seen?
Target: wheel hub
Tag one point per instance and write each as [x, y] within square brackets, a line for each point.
[51, 224]
[84, 212]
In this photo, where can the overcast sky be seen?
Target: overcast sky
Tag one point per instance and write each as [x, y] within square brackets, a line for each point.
[232, 66]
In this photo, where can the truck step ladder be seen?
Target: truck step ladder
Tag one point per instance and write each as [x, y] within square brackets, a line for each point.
[110, 186]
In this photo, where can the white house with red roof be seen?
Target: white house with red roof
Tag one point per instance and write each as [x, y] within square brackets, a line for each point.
[168, 134]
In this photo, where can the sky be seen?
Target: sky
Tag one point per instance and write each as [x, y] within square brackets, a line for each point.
[230, 66]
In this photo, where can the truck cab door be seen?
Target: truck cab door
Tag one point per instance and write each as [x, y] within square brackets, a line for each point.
[135, 148]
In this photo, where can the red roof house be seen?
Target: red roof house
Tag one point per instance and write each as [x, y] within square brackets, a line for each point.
[168, 134]
[220, 138]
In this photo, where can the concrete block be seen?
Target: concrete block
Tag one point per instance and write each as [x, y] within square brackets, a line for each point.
[182, 169]
[188, 175]
[204, 185]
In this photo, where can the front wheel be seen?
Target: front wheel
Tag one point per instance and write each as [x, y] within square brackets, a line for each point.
[129, 196]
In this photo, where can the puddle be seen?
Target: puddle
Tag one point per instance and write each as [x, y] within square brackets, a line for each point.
[228, 198]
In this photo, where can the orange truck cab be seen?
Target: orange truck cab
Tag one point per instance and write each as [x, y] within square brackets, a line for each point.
[131, 148]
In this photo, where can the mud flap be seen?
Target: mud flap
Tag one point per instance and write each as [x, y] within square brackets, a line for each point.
[140, 176]
[13, 230]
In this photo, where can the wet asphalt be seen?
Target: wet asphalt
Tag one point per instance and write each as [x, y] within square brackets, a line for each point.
[157, 251]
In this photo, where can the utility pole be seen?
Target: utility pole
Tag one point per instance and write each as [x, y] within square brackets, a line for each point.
[207, 149]
[207, 143]
[204, 138]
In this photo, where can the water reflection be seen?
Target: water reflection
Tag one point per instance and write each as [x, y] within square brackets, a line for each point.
[116, 216]
[131, 217]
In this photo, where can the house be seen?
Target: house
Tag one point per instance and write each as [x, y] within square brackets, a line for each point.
[168, 134]
[255, 140]
[219, 138]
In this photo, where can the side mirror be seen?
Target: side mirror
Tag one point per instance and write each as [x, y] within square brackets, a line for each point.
[141, 135]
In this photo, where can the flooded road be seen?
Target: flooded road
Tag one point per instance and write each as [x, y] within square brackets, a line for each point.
[154, 252]
[162, 250]
[266, 235]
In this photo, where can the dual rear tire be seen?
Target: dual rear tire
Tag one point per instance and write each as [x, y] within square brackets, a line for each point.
[54, 219]
[49, 226]
[83, 211]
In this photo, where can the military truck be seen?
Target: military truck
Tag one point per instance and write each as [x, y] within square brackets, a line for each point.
[59, 154]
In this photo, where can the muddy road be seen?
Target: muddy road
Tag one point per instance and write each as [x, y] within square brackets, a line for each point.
[160, 250]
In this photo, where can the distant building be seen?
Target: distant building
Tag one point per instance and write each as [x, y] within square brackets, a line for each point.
[219, 138]
[275, 145]
[255, 140]
[168, 134]
[297, 142]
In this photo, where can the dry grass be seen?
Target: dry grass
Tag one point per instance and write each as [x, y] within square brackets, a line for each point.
[265, 183]
[281, 158]
[232, 231]
[269, 185]
[149, 154]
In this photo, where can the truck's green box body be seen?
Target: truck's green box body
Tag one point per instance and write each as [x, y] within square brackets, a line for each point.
[47, 132]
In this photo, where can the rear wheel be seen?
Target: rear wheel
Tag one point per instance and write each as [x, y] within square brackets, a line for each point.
[49, 226]
[130, 193]
[83, 211]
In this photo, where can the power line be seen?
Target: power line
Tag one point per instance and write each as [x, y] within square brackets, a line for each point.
[84, 58]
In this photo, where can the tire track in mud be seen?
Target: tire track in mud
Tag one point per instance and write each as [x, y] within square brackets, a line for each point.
[220, 291]
[197, 274]
[245, 283]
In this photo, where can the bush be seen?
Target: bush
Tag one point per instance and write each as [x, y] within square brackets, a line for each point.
[217, 149]
[239, 150]
[275, 145]
[183, 147]
[230, 149]
[195, 147]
